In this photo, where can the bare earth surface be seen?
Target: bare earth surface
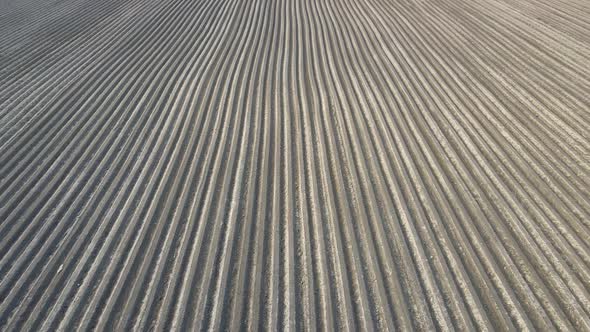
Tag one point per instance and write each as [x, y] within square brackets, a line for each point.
[294, 164]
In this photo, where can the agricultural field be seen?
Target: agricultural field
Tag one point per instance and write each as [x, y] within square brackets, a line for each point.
[294, 165]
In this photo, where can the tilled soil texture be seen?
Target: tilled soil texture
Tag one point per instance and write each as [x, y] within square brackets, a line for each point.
[294, 164]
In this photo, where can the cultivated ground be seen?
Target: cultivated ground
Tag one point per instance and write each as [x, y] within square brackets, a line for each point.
[294, 164]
